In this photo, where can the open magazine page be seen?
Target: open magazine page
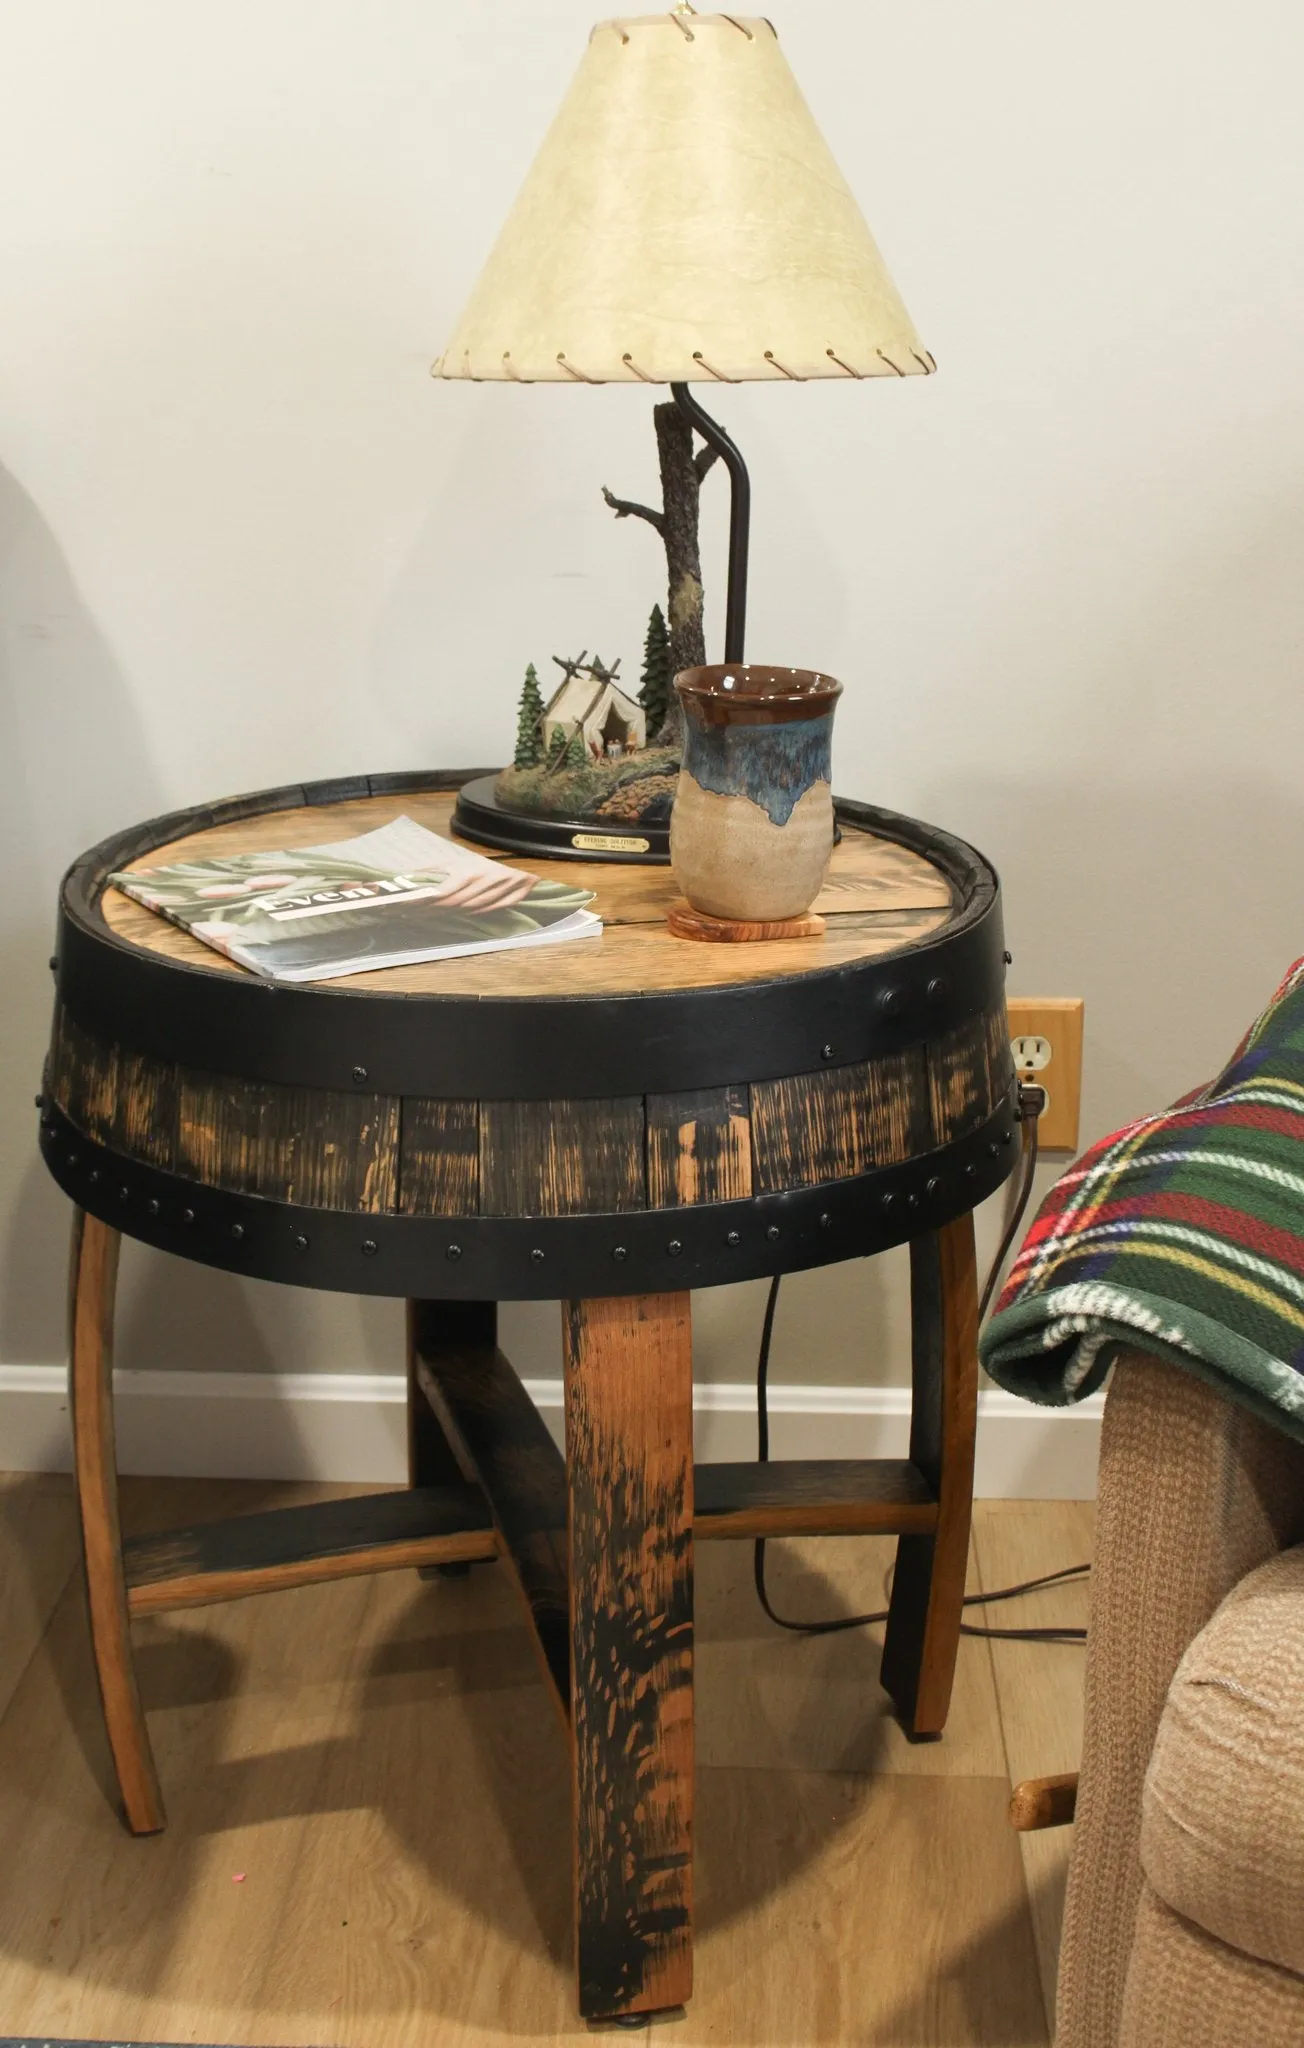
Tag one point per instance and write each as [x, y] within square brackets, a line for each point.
[389, 898]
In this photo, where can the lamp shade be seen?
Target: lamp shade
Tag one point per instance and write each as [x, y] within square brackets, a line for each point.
[684, 221]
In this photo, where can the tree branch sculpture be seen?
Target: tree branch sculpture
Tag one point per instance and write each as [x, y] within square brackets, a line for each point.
[676, 522]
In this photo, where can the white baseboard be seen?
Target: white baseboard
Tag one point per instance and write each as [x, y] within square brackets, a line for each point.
[350, 1426]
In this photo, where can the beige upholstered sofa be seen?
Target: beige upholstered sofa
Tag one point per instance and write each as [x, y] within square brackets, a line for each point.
[1184, 1922]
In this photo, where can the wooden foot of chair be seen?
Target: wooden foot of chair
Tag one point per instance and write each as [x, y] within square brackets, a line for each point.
[93, 1284]
[629, 1452]
[1044, 1802]
[923, 1630]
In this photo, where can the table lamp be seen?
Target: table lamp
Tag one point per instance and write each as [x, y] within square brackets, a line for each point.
[683, 223]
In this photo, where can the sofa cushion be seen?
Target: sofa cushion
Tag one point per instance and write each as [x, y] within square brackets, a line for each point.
[1222, 1818]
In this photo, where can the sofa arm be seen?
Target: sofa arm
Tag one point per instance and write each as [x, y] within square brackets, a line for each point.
[1194, 1492]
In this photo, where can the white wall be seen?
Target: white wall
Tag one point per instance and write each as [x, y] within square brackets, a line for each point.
[244, 538]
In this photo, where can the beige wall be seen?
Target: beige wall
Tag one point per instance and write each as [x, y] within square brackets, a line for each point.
[244, 538]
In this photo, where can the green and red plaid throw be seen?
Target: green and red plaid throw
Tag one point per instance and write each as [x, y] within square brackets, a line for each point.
[1182, 1235]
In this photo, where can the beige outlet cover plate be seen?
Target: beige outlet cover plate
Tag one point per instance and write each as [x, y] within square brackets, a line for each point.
[1057, 1019]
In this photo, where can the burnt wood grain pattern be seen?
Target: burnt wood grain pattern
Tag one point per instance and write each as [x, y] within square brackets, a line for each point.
[959, 1080]
[304, 1546]
[1000, 1057]
[699, 1147]
[923, 1628]
[82, 1076]
[117, 1097]
[496, 1431]
[93, 1284]
[812, 1497]
[316, 1147]
[839, 1122]
[439, 1158]
[629, 1454]
[562, 1158]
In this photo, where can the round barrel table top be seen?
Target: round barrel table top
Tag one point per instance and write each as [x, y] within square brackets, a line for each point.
[879, 895]
[522, 1123]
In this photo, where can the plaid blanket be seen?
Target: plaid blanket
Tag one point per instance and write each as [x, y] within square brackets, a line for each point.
[1182, 1235]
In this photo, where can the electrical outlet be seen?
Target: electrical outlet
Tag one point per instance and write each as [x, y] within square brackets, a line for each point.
[1046, 1040]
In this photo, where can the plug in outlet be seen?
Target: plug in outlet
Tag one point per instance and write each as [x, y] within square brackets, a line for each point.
[1046, 1041]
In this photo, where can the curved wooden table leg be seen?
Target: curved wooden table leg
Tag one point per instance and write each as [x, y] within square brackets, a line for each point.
[93, 1283]
[629, 1454]
[927, 1605]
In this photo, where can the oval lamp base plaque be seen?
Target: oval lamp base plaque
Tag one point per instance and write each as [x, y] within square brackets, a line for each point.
[480, 817]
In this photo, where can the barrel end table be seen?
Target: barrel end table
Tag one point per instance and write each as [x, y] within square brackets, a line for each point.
[608, 1126]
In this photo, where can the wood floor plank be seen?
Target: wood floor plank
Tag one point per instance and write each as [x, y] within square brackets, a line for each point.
[377, 1758]
[38, 1542]
[908, 1882]
[772, 1701]
[1039, 1685]
[103, 1935]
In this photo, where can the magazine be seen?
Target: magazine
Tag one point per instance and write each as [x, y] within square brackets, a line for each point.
[386, 899]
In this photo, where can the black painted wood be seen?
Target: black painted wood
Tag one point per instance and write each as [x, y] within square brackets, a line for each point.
[496, 1432]
[246, 1554]
[812, 1497]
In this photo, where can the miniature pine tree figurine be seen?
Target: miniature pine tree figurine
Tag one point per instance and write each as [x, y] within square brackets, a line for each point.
[577, 754]
[529, 722]
[655, 690]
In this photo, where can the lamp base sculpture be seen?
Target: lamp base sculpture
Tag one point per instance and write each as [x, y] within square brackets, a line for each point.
[481, 815]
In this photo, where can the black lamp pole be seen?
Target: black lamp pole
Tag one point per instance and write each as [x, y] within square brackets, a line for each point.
[740, 517]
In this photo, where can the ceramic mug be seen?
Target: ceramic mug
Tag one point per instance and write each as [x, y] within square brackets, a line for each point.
[751, 830]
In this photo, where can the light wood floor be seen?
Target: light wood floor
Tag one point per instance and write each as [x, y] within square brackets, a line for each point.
[378, 1763]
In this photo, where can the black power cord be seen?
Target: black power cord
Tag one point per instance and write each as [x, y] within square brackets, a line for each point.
[1032, 1101]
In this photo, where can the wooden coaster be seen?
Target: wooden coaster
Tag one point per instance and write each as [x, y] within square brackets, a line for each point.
[687, 923]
